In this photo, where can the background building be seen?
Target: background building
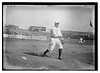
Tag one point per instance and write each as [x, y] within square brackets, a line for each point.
[37, 29]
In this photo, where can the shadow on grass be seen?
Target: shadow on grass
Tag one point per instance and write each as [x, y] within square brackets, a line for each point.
[36, 54]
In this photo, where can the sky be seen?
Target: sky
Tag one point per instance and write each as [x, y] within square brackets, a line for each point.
[71, 18]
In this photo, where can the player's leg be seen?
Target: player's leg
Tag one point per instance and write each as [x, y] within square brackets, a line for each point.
[60, 52]
[45, 52]
[79, 42]
[51, 46]
[60, 49]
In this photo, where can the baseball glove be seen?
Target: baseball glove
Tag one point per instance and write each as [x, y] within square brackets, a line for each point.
[62, 41]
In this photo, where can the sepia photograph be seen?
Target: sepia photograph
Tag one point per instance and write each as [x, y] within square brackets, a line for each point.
[49, 36]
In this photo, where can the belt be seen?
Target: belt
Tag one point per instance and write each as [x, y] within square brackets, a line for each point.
[53, 37]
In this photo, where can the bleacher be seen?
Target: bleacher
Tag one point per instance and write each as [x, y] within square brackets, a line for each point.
[23, 34]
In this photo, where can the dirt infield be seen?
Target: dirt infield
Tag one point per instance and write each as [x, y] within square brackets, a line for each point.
[75, 56]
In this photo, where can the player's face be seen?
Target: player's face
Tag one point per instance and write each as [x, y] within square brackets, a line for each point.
[56, 25]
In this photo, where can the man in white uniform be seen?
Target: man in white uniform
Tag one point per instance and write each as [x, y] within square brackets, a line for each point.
[56, 36]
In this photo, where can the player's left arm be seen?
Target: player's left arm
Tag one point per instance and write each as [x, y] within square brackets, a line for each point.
[61, 37]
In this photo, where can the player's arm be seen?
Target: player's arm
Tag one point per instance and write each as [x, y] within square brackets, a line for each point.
[60, 35]
[61, 39]
[53, 33]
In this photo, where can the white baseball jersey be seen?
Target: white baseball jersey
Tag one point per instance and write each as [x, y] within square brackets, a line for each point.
[55, 32]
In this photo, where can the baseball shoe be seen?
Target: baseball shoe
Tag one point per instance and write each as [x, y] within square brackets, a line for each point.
[59, 58]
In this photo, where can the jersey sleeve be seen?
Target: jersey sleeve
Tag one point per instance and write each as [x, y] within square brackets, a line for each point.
[53, 33]
[60, 34]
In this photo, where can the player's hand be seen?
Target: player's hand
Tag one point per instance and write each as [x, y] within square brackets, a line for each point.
[62, 41]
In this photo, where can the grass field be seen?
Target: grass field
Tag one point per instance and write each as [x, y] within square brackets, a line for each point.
[74, 55]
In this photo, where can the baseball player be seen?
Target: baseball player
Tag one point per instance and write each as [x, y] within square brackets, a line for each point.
[81, 40]
[56, 38]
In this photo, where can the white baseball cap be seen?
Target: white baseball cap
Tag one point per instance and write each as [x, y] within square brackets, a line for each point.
[56, 22]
